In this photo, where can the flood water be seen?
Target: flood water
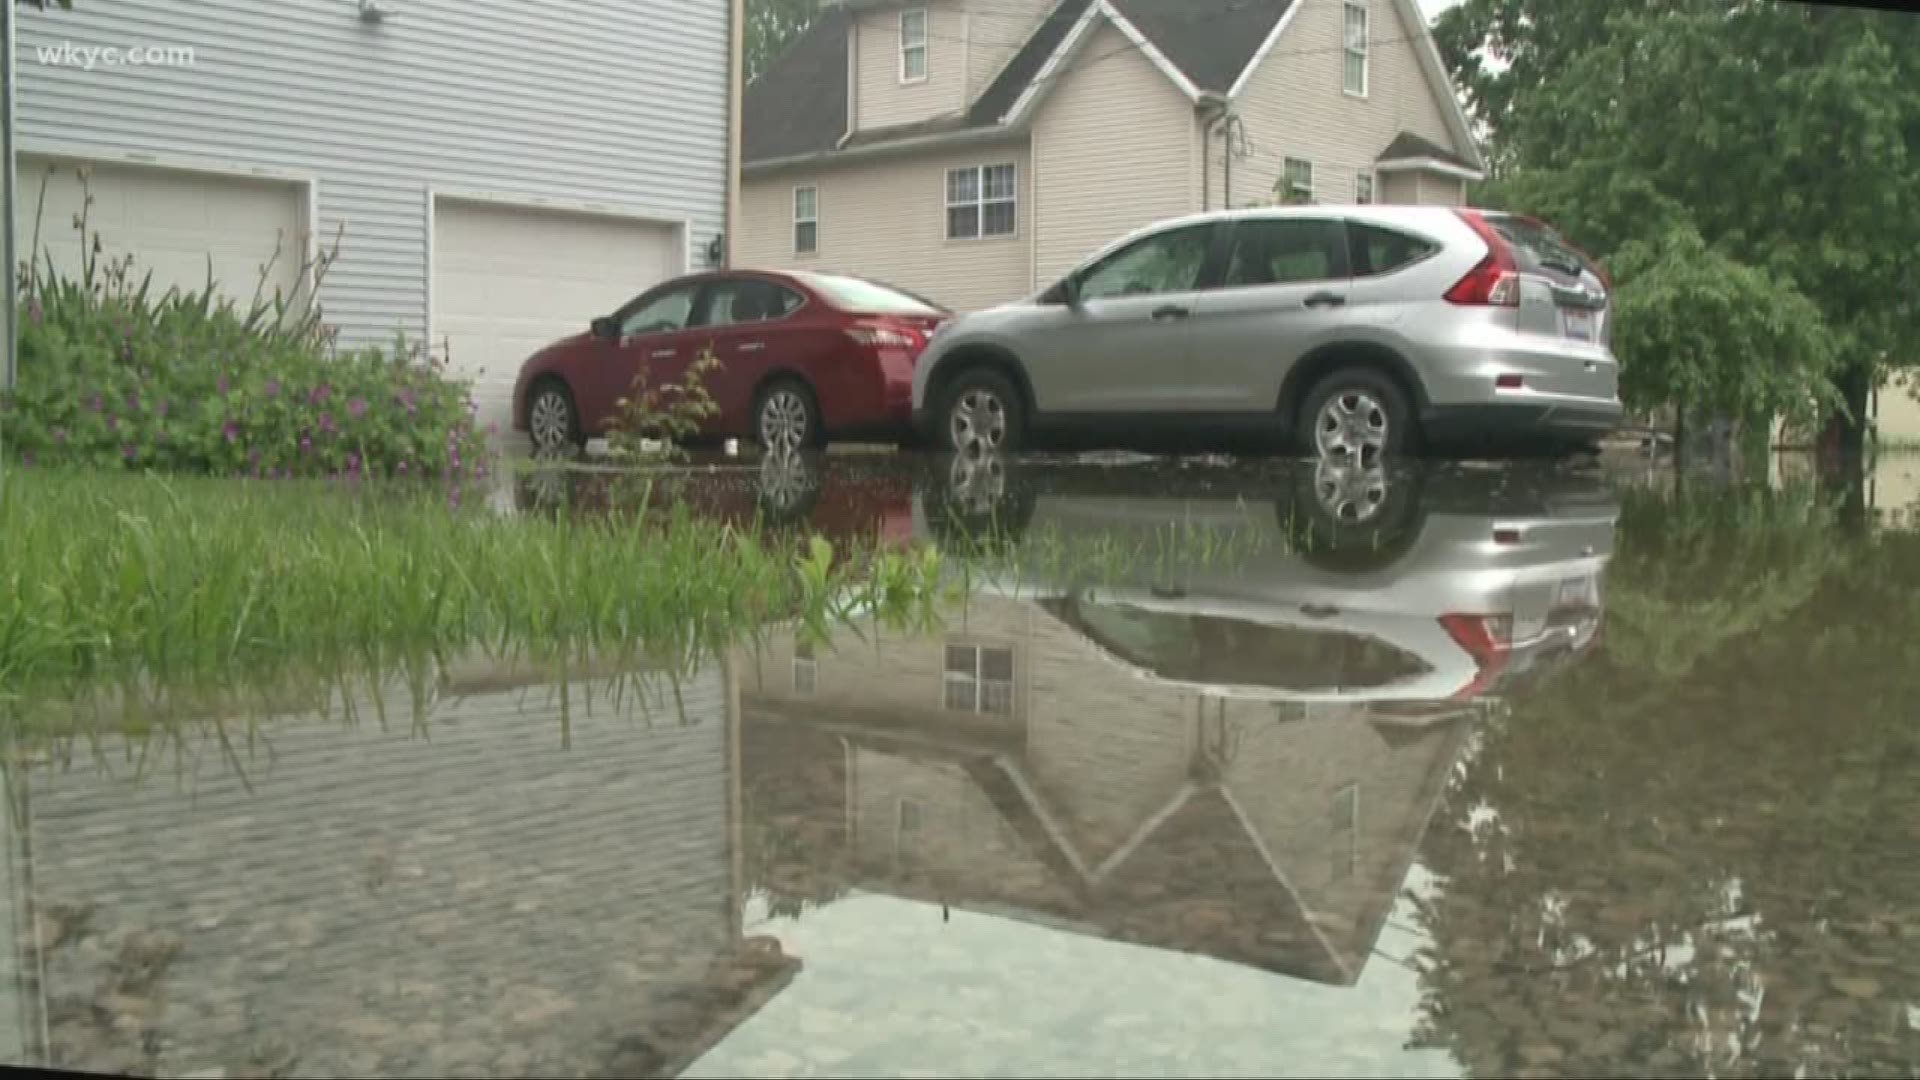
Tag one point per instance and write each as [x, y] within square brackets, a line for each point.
[1212, 769]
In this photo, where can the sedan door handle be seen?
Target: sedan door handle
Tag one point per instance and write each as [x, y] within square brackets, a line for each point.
[752, 346]
[663, 354]
[1325, 299]
[1171, 311]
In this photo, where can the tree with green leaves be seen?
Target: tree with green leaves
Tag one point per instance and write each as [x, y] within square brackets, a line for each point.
[1786, 137]
[772, 25]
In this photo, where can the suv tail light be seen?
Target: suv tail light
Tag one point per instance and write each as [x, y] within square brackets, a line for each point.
[1486, 638]
[884, 337]
[1495, 280]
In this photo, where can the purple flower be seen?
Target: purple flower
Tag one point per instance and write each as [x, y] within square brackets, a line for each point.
[162, 407]
[320, 394]
[113, 423]
[129, 451]
[453, 497]
[408, 398]
[224, 385]
[401, 468]
[493, 429]
[33, 311]
[353, 464]
[326, 422]
[273, 388]
[232, 432]
[97, 403]
[306, 444]
[133, 402]
[357, 408]
[60, 436]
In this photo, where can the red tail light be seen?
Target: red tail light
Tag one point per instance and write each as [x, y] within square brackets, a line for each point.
[875, 335]
[1495, 280]
[1486, 638]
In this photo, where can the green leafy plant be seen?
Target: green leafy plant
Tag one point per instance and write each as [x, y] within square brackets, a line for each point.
[111, 375]
[654, 421]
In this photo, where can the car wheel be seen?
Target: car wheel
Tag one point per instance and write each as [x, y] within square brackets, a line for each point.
[786, 418]
[980, 413]
[1359, 416]
[553, 423]
[980, 498]
[1348, 518]
[789, 487]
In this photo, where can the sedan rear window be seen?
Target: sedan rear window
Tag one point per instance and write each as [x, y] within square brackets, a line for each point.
[864, 297]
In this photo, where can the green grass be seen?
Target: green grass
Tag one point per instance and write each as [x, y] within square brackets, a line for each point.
[157, 590]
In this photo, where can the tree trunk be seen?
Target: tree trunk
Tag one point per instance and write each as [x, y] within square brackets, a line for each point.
[1846, 432]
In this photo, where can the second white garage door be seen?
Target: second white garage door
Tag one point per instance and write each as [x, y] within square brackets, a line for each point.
[508, 280]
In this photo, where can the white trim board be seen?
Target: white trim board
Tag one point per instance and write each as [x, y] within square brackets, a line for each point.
[1428, 164]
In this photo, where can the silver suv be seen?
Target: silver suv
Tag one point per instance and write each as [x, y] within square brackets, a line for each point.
[1356, 331]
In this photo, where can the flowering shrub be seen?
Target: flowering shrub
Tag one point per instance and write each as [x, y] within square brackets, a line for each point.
[190, 383]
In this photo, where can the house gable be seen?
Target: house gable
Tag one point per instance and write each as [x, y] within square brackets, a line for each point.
[1342, 136]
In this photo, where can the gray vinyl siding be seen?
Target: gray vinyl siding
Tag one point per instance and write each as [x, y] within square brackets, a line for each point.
[615, 103]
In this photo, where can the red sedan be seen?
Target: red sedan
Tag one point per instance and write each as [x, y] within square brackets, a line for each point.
[802, 357]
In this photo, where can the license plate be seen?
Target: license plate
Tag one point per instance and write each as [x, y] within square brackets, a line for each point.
[1578, 324]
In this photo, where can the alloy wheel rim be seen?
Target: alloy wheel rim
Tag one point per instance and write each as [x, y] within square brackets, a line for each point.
[783, 421]
[979, 421]
[1353, 427]
[784, 481]
[1350, 494]
[978, 482]
[549, 420]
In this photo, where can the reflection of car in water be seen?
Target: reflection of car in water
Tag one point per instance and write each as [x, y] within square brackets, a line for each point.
[847, 502]
[1292, 584]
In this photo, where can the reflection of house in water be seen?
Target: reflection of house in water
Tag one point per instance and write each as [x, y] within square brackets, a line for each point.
[1009, 766]
[475, 900]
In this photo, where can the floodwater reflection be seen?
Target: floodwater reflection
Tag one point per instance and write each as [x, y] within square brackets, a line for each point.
[1206, 769]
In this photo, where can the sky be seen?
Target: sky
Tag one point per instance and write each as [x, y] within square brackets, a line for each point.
[1433, 8]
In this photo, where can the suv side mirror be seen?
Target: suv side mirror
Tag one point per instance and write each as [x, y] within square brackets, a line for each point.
[605, 327]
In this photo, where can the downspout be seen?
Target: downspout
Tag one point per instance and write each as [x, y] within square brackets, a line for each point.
[1217, 109]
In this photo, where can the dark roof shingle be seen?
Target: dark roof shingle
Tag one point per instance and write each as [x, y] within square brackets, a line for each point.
[1408, 145]
[1210, 41]
[799, 104]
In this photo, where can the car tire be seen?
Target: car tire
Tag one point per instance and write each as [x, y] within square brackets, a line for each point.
[979, 500]
[553, 420]
[1352, 521]
[996, 414]
[786, 417]
[1382, 424]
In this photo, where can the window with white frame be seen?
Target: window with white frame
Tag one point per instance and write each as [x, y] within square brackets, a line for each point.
[806, 220]
[979, 680]
[913, 45]
[1354, 75]
[981, 201]
[1296, 181]
[806, 672]
[1363, 186]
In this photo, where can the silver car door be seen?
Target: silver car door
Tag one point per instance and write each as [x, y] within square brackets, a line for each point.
[1122, 345]
[1284, 292]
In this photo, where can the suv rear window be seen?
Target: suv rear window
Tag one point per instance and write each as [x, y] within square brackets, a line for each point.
[1379, 250]
[1539, 247]
[863, 297]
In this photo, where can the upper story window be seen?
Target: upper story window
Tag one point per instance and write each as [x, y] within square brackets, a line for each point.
[913, 45]
[806, 220]
[979, 679]
[1354, 76]
[1363, 187]
[982, 200]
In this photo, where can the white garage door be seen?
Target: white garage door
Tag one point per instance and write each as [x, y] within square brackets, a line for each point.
[171, 221]
[507, 281]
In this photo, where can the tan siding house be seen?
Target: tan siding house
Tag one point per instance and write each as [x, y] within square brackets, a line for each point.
[879, 124]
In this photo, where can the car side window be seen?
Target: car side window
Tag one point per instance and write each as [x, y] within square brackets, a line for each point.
[749, 300]
[1286, 251]
[1378, 250]
[663, 313]
[1165, 262]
